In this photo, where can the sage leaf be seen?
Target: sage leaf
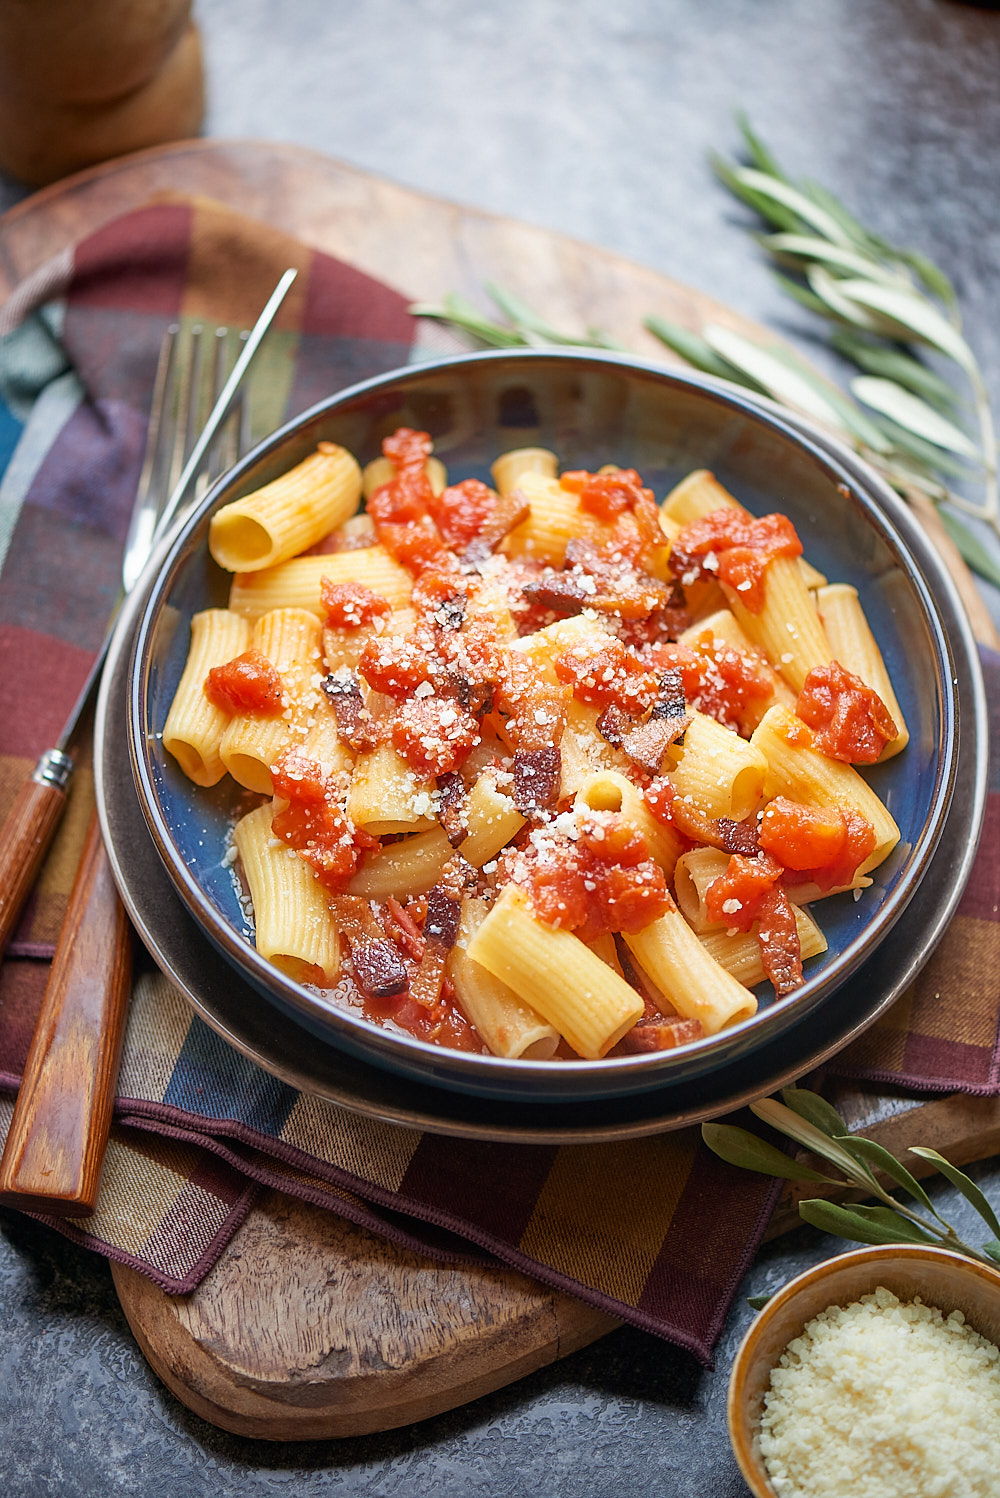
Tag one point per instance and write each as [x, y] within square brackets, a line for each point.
[827, 288]
[803, 295]
[804, 247]
[912, 317]
[815, 1109]
[932, 276]
[766, 207]
[962, 1182]
[848, 1222]
[909, 411]
[772, 374]
[893, 364]
[759, 153]
[786, 1121]
[867, 242]
[758, 1302]
[933, 458]
[780, 191]
[872, 1153]
[695, 350]
[853, 419]
[740, 1147]
[970, 548]
[464, 315]
[992, 1249]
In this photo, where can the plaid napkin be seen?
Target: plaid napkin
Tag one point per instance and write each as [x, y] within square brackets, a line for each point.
[656, 1231]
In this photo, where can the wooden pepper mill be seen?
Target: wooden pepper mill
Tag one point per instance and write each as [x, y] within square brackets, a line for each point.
[85, 80]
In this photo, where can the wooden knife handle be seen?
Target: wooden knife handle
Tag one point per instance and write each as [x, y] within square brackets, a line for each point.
[52, 1159]
[27, 832]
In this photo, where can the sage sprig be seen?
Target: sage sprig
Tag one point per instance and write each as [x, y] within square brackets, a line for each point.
[811, 1122]
[886, 308]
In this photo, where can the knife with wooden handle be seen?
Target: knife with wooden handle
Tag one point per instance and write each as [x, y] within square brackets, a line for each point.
[55, 1145]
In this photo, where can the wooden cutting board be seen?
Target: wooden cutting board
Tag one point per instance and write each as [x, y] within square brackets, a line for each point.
[308, 1326]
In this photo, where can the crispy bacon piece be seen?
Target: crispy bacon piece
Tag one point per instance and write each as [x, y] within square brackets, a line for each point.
[591, 581]
[536, 708]
[648, 742]
[660, 1035]
[740, 837]
[355, 724]
[440, 931]
[614, 723]
[378, 968]
[537, 778]
[443, 913]
[507, 513]
[778, 935]
[404, 929]
[451, 806]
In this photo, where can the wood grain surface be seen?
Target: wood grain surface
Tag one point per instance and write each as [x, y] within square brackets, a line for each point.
[55, 1144]
[309, 1326]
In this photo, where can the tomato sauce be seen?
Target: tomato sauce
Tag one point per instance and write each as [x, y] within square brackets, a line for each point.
[313, 823]
[247, 684]
[736, 548]
[849, 720]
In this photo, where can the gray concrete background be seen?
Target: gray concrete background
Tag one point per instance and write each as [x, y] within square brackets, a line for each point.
[594, 120]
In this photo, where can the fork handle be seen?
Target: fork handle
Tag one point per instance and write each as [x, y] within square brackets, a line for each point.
[27, 832]
[55, 1146]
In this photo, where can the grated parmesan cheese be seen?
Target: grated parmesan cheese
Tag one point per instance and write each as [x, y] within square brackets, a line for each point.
[882, 1399]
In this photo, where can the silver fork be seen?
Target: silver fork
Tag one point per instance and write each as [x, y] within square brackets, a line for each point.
[55, 1145]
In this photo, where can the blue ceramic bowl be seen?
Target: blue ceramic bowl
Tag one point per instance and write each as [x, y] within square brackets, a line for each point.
[590, 409]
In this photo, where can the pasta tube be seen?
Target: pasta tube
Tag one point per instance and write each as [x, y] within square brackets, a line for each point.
[194, 727]
[289, 515]
[508, 1025]
[296, 584]
[854, 646]
[796, 770]
[695, 984]
[294, 926]
[557, 975]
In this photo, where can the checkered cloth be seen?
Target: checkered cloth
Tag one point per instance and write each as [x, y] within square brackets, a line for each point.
[656, 1231]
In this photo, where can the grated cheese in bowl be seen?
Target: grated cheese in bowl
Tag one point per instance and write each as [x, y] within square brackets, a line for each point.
[884, 1399]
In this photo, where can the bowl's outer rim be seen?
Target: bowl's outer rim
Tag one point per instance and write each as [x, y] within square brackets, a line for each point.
[435, 1110]
[744, 1439]
[911, 543]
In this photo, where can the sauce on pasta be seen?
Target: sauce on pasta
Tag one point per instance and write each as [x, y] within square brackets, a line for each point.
[556, 788]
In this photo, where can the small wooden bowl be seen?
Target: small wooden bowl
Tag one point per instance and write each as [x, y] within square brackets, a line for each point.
[939, 1277]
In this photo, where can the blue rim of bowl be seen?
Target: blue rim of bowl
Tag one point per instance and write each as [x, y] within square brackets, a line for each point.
[898, 530]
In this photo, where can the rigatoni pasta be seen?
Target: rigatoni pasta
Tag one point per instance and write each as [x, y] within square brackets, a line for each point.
[550, 771]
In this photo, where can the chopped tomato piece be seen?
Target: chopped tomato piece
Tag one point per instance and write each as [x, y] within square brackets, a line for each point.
[247, 684]
[849, 719]
[802, 837]
[434, 734]
[313, 822]
[350, 605]
[736, 548]
[397, 665]
[735, 896]
[608, 675]
[462, 509]
[858, 844]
